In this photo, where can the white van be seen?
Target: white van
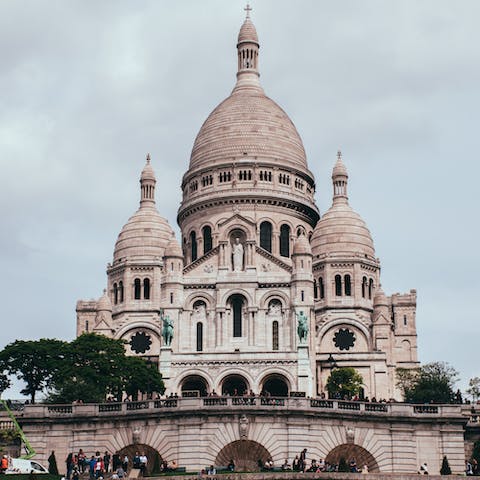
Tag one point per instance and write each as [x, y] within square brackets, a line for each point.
[20, 465]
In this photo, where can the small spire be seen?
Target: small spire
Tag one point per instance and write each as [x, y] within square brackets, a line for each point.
[248, 9]
[148, 158]
[339, 155]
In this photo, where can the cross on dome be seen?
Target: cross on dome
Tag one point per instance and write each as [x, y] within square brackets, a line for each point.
[339, 154]
[148, 158]
[248, 9]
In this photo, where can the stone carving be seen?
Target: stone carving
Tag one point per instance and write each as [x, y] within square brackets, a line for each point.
[136, 435]
[237, 254]
[243, 427]
[350, 434]
[208, 268]
[274, 307]
[302, 328]
[265, 267]
[167, 330]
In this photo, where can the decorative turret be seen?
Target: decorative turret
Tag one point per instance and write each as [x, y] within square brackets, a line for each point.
[147, 184]
[340, 180]
[247, 48]
[103, 318]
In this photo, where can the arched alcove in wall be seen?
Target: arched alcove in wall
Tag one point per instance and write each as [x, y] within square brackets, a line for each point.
[153, 456]
[195, 383]
[246, 455]
[235, 385]
[276, 385]
[349, 451]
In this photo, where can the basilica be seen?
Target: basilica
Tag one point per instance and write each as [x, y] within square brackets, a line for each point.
[261, 293]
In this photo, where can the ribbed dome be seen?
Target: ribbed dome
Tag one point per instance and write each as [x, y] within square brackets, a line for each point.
[147, 172]
[302, 246]
[248, 123]
[341, 230]
[173, 248]
[145, 234]
[104, 304]
[248, 32]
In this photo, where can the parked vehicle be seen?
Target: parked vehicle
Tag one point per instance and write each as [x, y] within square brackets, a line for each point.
[21, 465]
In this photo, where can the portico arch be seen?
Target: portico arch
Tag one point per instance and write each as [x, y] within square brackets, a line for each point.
[349, 451]
[235, 385]
[195, 383]
[276, 385]
[246, 455]
[141, 448]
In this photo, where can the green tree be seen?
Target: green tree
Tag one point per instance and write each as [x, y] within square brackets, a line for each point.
[344, 382]
[445, 469]
[97, 366]
[431, 383]
[140, 376]
[474, 388]
[4, 383]
[34, 362]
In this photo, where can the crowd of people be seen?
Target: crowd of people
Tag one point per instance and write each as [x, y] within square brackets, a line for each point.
[99, 465]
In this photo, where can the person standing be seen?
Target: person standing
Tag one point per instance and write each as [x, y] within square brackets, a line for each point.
[106, 462]
[52, 464]
[69, 465]
[125, 463]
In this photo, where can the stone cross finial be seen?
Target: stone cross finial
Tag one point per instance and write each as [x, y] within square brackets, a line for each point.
[148, 158]
[339, 154]
[248, 9]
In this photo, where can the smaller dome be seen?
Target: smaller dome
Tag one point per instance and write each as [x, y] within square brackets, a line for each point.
[248, 32]
[380, 299]
[342, 231]
[302, 246]
[147, 172]
[173, 248]
[145, 234]
[104, 304]
[339, 170]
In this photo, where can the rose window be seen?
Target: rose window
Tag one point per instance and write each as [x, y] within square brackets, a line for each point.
[140, 342]
[344, 339]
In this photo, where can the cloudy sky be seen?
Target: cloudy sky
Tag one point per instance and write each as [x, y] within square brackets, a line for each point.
[89, 87]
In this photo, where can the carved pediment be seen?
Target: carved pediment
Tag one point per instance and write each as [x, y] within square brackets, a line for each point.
[267, 262]
[237, 220]
[206, 264]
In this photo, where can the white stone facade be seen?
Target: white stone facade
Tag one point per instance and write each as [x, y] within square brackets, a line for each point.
[254, 256]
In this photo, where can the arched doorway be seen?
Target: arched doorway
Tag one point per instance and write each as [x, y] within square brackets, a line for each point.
[234, 385]
[194, 383]
[275, 385]
[349, 451]
[154, 458]
[246, 455]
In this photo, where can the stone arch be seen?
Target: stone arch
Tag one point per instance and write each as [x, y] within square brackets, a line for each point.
[235, 384]
[192, 372]
[273, 295]
[205, 297]
[236, 291]
[246, 455]
[146, 325]
[334, 324]
[349, 451]
[276, 384]
[195, 383]
[153, 456]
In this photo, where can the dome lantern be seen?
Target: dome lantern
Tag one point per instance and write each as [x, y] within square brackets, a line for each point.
[340, 180]
[147, 184]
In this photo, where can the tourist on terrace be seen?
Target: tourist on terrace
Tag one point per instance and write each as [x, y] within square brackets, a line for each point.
[296, 464]
[286, 466]
[231, 466]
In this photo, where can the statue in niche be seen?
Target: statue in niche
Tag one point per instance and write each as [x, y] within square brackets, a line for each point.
[199, 311]
[302, 328]
[274, 308]
[167, 330]
[243, 427]
[237, 255]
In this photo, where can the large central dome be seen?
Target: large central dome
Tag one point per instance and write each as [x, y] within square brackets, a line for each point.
[248, 122]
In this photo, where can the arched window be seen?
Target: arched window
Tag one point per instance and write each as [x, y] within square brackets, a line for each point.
[370, 288]
[237, 302]
[302, 295]
[285, 240]
[364, 287]
[120, 291]
[315, 289]
[207, 239]
[193, 246]
[322, 287]
[115, 293]
[137, 290]
[275, 335]
[266, 236]
[199, 337]
[146, 288]
[348, 285]
[338, 285]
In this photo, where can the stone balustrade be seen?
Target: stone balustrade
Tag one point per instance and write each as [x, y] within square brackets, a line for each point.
[241, 403]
